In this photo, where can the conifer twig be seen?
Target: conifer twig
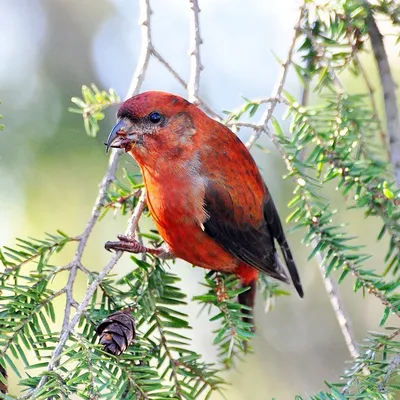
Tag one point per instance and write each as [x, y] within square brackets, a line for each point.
[364, 364]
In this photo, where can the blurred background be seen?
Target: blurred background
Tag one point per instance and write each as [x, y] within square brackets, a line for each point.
[50, 169]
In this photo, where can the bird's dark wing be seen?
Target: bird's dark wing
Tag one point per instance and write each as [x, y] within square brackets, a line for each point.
[250, 243]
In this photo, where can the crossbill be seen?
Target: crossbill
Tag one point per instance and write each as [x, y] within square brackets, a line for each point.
[204, 191]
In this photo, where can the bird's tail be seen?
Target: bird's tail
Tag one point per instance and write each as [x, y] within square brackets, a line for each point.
[247, 299]
[275, 227]
[3, 382]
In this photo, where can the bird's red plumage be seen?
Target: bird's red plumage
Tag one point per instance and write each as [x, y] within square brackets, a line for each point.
[205, 193]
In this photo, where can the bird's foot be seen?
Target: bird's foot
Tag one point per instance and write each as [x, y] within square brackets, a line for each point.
[131, 245]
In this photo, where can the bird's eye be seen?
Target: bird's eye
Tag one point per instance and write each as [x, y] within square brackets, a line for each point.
[155, 117]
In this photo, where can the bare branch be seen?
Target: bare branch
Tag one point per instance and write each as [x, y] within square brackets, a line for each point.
[169, 68]
[146, 49]
[389, 91]
[244, 125]
[337, 304]
[175, 74]
[134, 221]
[281, 82]
[195, 62]
[374, 106]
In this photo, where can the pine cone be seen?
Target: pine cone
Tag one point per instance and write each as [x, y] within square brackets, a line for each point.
[3, 386]
[117, 332]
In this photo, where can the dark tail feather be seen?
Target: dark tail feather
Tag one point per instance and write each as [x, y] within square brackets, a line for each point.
[287, 255]
[247, 299]
[3, 385]
[275, 227]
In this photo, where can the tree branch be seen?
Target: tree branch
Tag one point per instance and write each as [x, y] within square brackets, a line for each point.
[389, 91]
[374, 106]
[195, 62]
[146, 49]
[134, 221]
[281, 82]
[175, 74]
[339, 309]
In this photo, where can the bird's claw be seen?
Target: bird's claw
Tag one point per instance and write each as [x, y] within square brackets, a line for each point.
[131, 245]
[126, 243]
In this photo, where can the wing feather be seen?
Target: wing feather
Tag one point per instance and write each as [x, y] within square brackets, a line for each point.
[254, 245]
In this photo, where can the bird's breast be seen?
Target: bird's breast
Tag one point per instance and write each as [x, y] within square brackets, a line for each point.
[176, 203]
[175, 197]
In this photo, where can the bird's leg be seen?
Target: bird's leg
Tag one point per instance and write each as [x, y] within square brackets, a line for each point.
[131, 245]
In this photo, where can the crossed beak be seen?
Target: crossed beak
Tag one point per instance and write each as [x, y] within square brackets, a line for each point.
[119, 137]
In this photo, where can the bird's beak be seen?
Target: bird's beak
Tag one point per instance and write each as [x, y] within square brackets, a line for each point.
[118, 137]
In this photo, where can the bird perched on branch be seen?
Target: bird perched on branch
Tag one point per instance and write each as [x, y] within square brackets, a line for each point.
[204, 191]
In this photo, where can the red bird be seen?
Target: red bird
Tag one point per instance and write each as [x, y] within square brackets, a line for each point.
[204, 191]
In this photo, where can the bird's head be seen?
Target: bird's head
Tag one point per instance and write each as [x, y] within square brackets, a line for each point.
[154, 124]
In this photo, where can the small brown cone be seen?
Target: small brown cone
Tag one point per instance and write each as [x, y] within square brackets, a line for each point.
[3, 386]
[117, 332]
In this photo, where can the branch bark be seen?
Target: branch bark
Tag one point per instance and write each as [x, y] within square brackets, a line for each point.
[276, 95]
[195, 61]
[338, 307]
[145, 52]
[389, 91]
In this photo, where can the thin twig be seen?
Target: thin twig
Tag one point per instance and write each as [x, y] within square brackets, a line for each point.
[389, 91]
[281, 82]
[146, 49]
[342, 317]
[241, 124]
[374, 106]
[134, 221]
[175, 74]
[195, 62]
[168, 66]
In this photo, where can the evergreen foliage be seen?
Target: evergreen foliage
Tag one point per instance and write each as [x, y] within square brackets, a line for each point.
[337, 141]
